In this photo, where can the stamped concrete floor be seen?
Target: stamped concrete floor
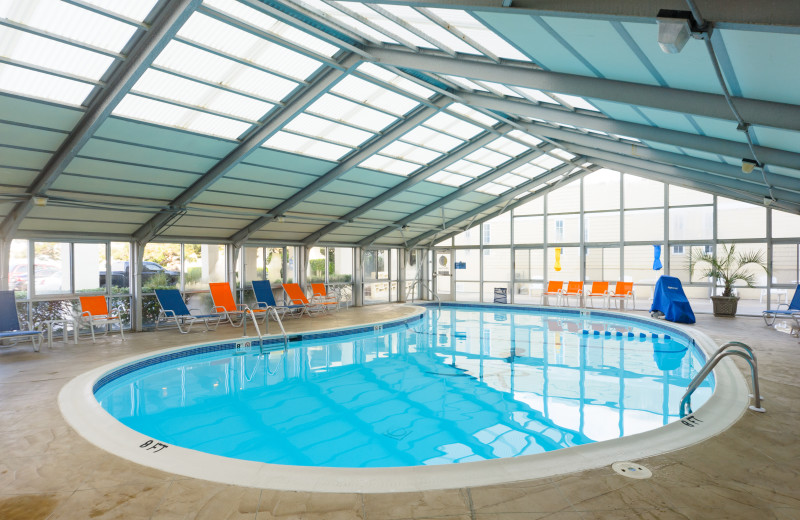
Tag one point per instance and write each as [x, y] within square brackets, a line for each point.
[47, 471]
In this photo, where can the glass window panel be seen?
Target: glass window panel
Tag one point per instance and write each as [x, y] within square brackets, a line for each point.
[528, 264]
[471, 258]
[740, 220]
[537, 95]
[528, 230]
[18, 268]
[338, 108]
[51, 273]
[639, 268]
[565, 199]
[453, 126]
[547, 162]
[31, 83]
[470, 237]
[120, 267]
[601, 227]
[305, 146]
[642, 193]
[497, 231]
[497, 265]
[291, 266]
[487, 157]
[315, 272]
[445, 243]
[425, 24]
[507, 147]
[679, 264]
[340, 264]
[386, 25]
[758, 273]
[393, 79]
[313, 126]
[646, 224]
[484, 36]
[511, 180]
[450, 179]
[468, 291]
[602, 264]
[428, 138]
[601, 190]
[577, 102]
[473, 114]
[563, 154]
[376, 264]
[563, 228]
[393, 267]
[492, 189]
[679, 196]
[525, 138]
[136, 10]
[371, 94]
[690, 223]
[273, 261]
[785, 265]
[529, 171]
[203, 264]
[410, 152]
[785, 225]
[389, 165]
[463, 83]
[533, 207]
[468, 168]
[90, 262]
[162, 266]
[254, 268]
[570, 263]
[247, 46]
[346, 20]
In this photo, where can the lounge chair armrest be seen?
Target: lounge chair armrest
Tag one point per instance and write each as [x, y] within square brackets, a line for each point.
[220, 309]
[169, 313]
[779, 306]
[242, 307]
[261, 305]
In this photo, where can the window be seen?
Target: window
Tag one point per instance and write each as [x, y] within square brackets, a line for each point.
[678, 250]
[559, 237]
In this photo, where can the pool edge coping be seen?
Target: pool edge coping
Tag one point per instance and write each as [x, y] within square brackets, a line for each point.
[82, 412]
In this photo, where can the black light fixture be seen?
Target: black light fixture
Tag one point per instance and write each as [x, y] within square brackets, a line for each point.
[748, 165]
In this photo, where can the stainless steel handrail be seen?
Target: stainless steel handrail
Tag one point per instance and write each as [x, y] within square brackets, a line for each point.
[747, 354]
[258, 330]
[280, 324]
[423, 284]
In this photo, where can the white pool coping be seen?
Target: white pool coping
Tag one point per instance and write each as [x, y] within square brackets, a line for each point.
[82, 411]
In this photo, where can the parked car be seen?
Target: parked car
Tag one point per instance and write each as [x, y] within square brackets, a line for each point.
[50, 280]
[18, 275]
[120, 274]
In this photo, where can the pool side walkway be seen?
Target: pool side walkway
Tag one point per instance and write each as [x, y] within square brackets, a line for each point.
[47, 471]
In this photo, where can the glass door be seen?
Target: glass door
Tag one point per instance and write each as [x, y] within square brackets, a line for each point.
[443, 274]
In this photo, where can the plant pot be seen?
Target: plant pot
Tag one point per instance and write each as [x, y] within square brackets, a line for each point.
[725, 305]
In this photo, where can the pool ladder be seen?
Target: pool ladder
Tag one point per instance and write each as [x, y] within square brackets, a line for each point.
[737, 348]
[258, 330]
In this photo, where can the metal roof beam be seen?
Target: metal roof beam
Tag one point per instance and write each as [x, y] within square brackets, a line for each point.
[414, 179]
[373, 147]
[754, 111]
[164, 28]
[564, 169]
[323, 82]
[643, 132]
[460, 192]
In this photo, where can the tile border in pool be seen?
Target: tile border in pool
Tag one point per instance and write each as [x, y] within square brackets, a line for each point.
[82, 411]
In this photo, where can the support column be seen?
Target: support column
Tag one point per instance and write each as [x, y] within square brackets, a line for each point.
[231, 256]
[136, 266]
[5, 261]
[358, 277]
[402, 260]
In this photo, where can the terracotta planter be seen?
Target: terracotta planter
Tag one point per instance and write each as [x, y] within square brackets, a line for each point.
[725, 305]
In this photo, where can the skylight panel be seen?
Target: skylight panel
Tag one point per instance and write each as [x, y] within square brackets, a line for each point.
[487, 157]
[44, 52]
[328, 11]
[524, 137]
[167, 86]
[547, 162]
[43, 86]
[137, 10]
[341, 109]
[529, 171]
[468, 168]
[537, 95]
[464, 83]
[576, 102]
[453, 126]
[390, 77]
[143, 109]
[558, 152]
[501, 89]
[271, 25]
[386, 25]
[226, 38]
[595, 131]
[507, 146]
[216, 69]
[371, 94]
[317, 127]
[450, 179]
[424, 136]
[389, 165]
[627, 138]
[493, 188]
[482, 35]
[410, 152]
[304, 146]
[512, 180]
[473, 114]
[70, 21]
[434, 30]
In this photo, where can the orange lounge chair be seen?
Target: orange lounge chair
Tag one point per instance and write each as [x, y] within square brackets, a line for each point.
[94, 312]
[623, 292]
[320, 295]
[224, 304]
[297, 297]
[553, 289]
[574, 289]
[598, 290]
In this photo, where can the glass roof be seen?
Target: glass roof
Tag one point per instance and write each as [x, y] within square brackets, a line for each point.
[424, 136]
[433, 30]
[493, 188]
[547, 162]
[507, 146]
[384, 24]
[450, 179]
[137, 10]
[143, 109]
[374, 95]
[340, 109]
[453, 126]
[389, 165]
[410, 152]
[390, 77]
[475, 115]
[468, 168]
[476, 31]
[487, 157]
[329, 11]
[305, 146]
[44, 86]
[313, 126]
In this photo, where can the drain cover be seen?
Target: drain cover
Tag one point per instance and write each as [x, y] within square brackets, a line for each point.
[631, 470]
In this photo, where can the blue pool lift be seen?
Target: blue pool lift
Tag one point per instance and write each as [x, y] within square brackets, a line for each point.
[670, 301]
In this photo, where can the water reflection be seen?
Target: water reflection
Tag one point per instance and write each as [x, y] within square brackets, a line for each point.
[459, 385]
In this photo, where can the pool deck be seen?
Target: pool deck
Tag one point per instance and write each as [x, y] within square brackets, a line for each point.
[48, 471]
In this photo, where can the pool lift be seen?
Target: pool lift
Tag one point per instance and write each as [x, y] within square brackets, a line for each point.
[737, 349]
[258, 330]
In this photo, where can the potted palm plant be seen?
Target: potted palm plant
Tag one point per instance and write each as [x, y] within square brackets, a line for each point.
[727, 268]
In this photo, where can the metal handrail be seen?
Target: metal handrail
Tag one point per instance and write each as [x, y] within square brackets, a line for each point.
[280, 324]
[423, 284]
[747, 354]
[258, 330]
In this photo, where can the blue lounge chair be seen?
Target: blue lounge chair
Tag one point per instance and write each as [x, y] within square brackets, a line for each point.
[9, 322]
[265, 299]
[792, 311]
[174, 308]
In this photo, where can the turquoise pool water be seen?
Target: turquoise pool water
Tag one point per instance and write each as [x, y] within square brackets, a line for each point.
[458, 384]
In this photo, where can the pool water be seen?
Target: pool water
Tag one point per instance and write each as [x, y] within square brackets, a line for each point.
[458, 385]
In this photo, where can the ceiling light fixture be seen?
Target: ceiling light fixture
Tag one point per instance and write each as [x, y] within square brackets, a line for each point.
[39, 201]
[748, 165]
[674, 29]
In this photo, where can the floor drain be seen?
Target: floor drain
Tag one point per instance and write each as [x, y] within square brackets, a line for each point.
[631, 470]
